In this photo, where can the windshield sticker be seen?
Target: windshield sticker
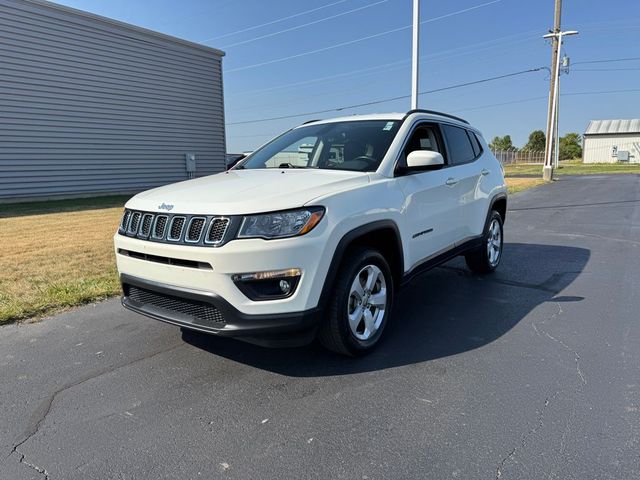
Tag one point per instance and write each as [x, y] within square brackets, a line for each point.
[388, 126]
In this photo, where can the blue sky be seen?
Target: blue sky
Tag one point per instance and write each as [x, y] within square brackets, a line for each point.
[461, 41]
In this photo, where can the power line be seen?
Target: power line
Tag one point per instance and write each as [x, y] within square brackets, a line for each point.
[610, 60]
[298, 27]
[604, 69]
[513, 102]
[531, 99]
[289, 17]
[450, 53]
[391, 99]
[357, 40]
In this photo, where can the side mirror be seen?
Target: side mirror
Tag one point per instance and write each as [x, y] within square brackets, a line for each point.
[424, 160]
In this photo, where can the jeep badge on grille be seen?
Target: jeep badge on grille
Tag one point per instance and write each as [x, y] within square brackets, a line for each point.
[166, 207]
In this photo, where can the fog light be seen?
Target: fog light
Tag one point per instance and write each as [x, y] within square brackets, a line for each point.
[270, 285]
[285, 286]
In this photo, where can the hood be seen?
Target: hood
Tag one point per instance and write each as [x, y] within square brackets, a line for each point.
[239, 192]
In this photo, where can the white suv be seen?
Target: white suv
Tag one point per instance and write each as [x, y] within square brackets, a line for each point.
[312, 234]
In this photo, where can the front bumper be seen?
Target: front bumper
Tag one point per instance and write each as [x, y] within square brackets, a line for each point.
[210, 313]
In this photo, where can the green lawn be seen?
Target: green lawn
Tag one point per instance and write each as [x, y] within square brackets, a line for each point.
[573, 167]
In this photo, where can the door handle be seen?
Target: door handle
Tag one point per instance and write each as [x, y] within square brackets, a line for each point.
[485, 172]
[451, 182]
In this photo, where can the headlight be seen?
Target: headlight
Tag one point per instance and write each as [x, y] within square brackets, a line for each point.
[281, 224]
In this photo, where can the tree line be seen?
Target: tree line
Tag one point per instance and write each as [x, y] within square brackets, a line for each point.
[570, 144]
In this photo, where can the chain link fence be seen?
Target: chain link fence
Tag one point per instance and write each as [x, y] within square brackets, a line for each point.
[508, 157]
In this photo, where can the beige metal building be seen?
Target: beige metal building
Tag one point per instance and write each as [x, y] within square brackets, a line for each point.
[612, 141]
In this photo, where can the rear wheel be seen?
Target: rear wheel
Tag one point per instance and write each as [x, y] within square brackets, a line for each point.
[360, 304]
[487, 258]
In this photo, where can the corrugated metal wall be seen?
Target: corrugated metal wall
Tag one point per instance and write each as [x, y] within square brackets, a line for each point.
[91, 106]
[599, 148]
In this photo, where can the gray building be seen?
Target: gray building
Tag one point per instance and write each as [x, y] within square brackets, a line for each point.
[612, 141]
[90, 105]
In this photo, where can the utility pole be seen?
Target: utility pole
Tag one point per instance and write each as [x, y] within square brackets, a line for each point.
[554, 94]
[415, 54]
[547, 170]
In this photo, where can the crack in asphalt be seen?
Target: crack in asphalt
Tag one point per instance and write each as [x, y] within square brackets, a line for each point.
[548, 399]
[525, 437]
[576, 356]
[40, 414]
[40, 470]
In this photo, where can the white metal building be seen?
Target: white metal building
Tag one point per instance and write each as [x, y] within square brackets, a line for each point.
[612, 141]
[90, 105]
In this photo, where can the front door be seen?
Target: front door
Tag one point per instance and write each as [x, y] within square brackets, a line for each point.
[431, 216]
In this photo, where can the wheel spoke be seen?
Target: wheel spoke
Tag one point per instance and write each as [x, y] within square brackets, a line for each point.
[355, 318]
[357, 287]
[372, 276]
[379, 299]
[369, 325]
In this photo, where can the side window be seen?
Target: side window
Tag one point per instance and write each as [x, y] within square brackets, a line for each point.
[460, 148]
[423, 138]
[477, 149]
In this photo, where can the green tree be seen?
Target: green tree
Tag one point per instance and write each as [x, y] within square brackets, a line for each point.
[570, 146]
[536, 143]
[502, 143]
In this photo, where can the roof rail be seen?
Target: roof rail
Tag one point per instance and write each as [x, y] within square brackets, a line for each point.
[433, 112]
[311, 121]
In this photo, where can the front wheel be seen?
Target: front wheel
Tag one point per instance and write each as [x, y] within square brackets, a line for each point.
[360, 304]
[487, 258]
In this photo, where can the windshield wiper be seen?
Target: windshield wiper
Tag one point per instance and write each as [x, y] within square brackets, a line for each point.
[291, 165]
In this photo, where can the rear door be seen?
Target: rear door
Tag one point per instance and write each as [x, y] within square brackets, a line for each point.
[464, 178]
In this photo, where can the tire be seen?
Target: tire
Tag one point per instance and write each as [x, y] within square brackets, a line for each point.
[487, 258]
[362, 333]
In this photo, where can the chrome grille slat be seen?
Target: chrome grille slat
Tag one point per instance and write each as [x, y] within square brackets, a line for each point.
[145, 226]
[195, 229]
[175, 229]
[217, 229]
[124, 223]
[160, 226]
[134, 223]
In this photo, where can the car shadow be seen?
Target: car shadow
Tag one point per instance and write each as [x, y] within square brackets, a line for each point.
[444, 312]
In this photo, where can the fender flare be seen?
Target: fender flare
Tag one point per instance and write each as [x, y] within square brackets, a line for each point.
[344, 243]
[499, 196]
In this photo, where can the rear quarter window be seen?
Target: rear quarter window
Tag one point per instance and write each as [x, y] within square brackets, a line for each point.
[460, 148]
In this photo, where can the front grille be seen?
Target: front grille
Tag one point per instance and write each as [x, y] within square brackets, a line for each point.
[198, 230]
[135, 222]
[201, 312]
[217, 230]
[175, 231]
[147, 220]
[194, 232]
[160, 226]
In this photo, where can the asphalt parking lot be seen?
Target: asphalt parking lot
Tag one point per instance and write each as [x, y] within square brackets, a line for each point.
[531, 373]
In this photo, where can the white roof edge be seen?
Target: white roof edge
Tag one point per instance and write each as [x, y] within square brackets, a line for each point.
[128, 26]
[388, 116]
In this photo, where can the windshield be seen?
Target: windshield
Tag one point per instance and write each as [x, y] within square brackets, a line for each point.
[353, 145]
